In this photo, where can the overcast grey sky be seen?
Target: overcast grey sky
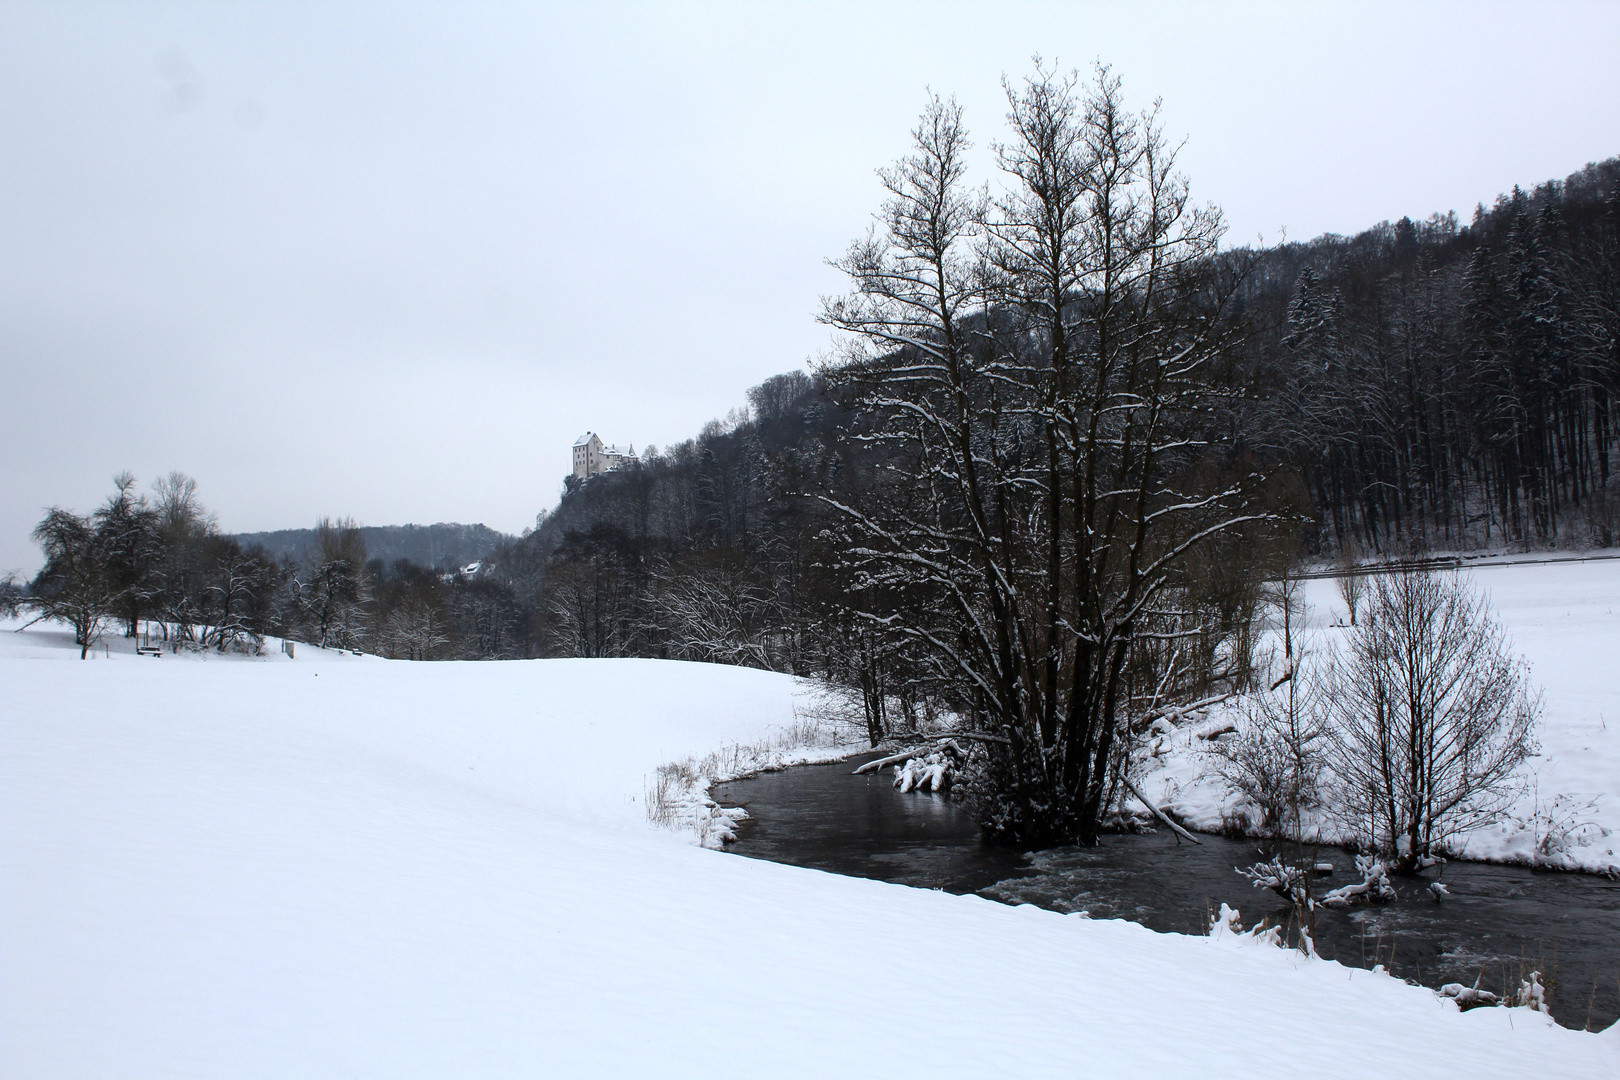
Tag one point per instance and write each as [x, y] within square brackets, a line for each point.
[389, 260]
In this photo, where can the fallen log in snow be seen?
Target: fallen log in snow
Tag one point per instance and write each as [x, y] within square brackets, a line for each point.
[1160, 814]
[892, 759]
[941, 742]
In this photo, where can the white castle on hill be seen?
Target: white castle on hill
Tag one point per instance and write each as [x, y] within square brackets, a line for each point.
[591, 457]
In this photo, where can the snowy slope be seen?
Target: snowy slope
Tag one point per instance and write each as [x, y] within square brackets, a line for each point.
[1564, 618]
[351, 867]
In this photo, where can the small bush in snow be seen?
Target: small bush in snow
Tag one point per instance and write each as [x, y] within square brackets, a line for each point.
[1563, 825]
[1292, 883]
[1275, 759]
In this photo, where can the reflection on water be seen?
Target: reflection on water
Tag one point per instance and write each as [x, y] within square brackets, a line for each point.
[821, 816]
[1499, 923]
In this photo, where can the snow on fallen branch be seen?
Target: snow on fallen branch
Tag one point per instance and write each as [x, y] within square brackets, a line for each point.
[1160, 814]
[884, 762]
[931, 773]
[1373, 888]
[922, 769]
[943, 742]
[1531, 995]
[1468, 997]
[1175, 715]
[1228, 925]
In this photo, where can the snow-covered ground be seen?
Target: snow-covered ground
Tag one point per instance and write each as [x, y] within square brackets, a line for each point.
[1564, 618]
[342, 866]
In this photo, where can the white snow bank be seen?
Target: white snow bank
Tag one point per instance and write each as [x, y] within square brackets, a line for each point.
[371, 869]
[1564, 617]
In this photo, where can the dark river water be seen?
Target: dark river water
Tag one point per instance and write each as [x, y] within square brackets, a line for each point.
[1499, 923]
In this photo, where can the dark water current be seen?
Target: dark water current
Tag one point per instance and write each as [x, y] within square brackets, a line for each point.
[1500, 922]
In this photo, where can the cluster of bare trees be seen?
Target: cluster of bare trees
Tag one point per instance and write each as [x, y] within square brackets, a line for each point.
[708, 607]
[153, 562]
[331, 595]
[1409, 734]
[417, 613]
[1431, 715]
[1047, 371]
[156, 564]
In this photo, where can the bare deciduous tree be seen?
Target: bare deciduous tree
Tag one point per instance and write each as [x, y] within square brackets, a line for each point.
[132, 549]
[413, 630]
[1275, 760]
[1352, 584]
[716, 613]
[333, 594]
[74, 585]
[1432, 715]
[1040, 371]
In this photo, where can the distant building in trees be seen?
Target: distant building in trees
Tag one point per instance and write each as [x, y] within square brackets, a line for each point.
[591, 457]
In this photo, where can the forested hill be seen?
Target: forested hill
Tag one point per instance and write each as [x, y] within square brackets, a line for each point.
[443, 546]
[1442, 385]
[1423, 384]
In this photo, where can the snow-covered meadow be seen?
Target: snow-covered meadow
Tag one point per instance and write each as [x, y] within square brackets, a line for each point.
[343, 866]
[1564, 618]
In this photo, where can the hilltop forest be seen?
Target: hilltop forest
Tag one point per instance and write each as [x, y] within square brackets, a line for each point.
[1424, 385]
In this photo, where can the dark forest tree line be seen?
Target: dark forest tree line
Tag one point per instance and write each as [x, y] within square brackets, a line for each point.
[1439, 386]
[1421, 385]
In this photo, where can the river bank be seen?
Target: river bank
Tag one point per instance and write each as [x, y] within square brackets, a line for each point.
[1497, 925]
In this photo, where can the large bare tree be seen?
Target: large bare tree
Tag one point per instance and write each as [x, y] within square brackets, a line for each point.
[1042, 370]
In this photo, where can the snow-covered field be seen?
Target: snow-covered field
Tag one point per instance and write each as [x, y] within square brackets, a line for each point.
[341, 866]
[1564, 618]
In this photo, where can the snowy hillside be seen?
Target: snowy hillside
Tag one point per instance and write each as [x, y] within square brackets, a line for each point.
[1564, 618]
[342, 866]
